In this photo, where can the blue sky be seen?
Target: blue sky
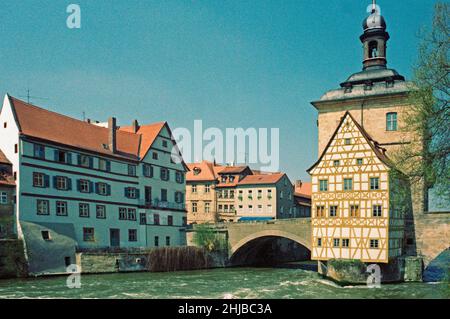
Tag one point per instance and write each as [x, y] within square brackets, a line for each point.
[230, 63]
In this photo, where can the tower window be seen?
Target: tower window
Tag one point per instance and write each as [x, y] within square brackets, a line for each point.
[373, 49]
[391, 121]
[348, 89]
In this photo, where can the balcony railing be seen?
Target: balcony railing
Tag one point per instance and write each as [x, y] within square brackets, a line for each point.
[162, 204]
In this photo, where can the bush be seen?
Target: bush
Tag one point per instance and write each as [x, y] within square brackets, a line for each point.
[208, 238]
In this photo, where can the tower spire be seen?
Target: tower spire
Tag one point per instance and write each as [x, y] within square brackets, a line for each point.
[375, 40]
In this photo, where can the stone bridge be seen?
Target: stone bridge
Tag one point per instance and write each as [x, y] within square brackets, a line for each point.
[245, 239]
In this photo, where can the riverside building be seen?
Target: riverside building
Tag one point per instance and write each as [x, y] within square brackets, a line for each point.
[81, 185]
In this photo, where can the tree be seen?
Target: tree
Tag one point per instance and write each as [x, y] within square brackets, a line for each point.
[426, 158]
[208, 238]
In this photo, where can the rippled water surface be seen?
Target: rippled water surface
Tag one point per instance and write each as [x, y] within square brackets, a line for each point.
[216, 283]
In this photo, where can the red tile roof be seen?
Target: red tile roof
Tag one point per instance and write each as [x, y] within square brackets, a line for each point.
[305, 190]
[261, 179]
[206, 172]
[3, 159]
[50, 126]
[233, 169]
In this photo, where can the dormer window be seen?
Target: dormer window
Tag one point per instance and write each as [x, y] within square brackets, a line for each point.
[348, 89]
[368, 86]
[224, 179]
[389, 84]
[197, 170]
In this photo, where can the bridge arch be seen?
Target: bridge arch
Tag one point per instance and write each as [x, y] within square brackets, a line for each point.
[255, 241]
[270, 233]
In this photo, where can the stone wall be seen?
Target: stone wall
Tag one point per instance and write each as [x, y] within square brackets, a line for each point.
[95, 263]
[355, 272]
[12, 259]
[7, 224]
[432, 235]
[155, 259]
[52, 254]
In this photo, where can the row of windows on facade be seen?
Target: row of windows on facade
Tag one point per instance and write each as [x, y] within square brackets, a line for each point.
[89, 236]
[345, 242]
[225, 193]
[62, 209]
[333, 211]
[231, 208]
[87, 161]
[85, 186]
[359, 162]
[348, 184]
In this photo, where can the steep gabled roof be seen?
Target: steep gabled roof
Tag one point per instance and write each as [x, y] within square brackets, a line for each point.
[149, 134]
[39, 123]
[373, 144]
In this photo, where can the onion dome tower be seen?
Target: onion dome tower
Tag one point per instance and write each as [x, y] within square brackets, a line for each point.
[375, 40]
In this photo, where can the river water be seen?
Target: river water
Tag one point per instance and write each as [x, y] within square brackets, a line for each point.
[215, 283]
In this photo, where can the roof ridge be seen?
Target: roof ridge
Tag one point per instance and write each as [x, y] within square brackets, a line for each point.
[65, 116]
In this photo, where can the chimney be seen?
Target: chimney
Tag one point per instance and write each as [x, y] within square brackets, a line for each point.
[89, 121]
[135, 126]
[298, 184]
[112, 134]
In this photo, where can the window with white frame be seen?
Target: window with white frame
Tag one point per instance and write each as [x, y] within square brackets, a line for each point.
[84, 210]
[122, 213]
[100, 211]
[62, 183]
[61, 208]
[84, 186]
[43, 207]
[131, 214]
[39, 180]
[391, 121]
